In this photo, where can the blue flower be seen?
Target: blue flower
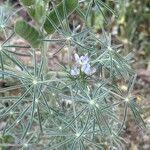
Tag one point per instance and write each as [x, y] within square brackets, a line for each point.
[82, 65]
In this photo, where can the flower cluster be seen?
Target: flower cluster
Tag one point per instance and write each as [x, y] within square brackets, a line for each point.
[82, 65]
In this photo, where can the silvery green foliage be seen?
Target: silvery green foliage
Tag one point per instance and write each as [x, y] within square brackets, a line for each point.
[5, 14]
[79, 107]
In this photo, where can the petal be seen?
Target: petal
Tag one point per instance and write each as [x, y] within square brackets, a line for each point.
[85, 58]
[77, 58]
[74, 72]
[86, 69]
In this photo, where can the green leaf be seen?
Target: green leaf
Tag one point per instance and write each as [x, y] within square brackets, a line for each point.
[27, 32]
[70, 7]
[36, 12]
[27, 2]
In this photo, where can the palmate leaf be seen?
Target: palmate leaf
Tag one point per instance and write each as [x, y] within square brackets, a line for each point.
[29, 33]
[137, 116]
[70, 7]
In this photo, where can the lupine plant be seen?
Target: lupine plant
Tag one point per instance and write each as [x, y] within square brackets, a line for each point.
[78, 104]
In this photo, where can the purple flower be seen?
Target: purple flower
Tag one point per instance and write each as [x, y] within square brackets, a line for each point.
[74, 71]
[81, 60]
[86, 68]
[82, 64]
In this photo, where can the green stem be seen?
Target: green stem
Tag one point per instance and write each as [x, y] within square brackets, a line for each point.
[2, 65]
[74, 110]
[44, 49]
[92, 17]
